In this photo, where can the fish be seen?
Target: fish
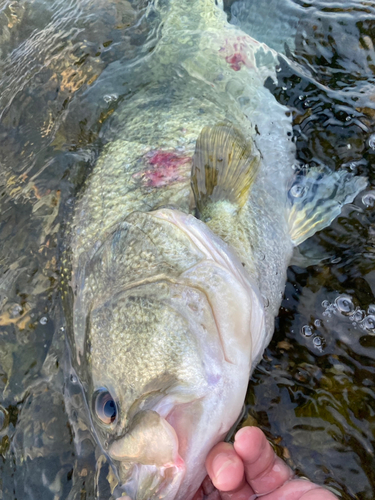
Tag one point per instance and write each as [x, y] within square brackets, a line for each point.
[179, 249]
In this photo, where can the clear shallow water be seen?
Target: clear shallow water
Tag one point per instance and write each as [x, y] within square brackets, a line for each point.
[314, 391]
[64, 70]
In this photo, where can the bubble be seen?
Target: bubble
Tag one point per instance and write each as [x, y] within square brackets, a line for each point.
[371, 309]
[306, 331]
[325, 304]
[371, 141]
[73, 378]
[15, 310]
[318, 342]
[297, 191]
[336, 260]
[43, 320]
[317, 323]
[369, 324]
[358, 315]
[368, 199]
[344, 304]
[110, 98]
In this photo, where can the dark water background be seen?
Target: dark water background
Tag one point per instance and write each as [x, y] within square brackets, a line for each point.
[63, 72]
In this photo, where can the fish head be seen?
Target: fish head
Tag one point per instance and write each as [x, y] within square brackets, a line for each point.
[168, 326]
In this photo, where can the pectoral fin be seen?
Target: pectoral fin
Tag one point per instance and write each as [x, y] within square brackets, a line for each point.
[225, 165]
[317, 198]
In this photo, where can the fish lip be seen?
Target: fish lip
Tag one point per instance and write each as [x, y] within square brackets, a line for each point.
[147, 457]
[165, 488]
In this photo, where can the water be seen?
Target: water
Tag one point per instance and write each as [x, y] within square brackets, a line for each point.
[65, 67]
[313, 394]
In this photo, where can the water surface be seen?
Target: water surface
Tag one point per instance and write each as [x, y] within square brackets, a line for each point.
[65, 67]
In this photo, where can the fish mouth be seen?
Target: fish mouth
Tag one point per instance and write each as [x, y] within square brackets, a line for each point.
[147, 482]
[149, 464]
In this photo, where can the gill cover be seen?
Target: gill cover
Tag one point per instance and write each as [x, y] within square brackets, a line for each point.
[136, 253]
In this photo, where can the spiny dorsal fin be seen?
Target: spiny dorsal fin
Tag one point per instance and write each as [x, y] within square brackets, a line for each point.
[224, 166]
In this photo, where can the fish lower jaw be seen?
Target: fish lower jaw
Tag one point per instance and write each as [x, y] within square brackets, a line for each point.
[148, 482]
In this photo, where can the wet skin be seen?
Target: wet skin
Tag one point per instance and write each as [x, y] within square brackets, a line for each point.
[250, 468]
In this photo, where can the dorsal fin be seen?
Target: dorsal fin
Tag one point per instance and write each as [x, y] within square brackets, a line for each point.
[225, 165]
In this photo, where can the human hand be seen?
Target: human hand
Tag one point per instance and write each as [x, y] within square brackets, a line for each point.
[250, 468]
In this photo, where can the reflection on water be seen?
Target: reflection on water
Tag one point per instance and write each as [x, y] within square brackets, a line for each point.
[319, 369]
[65, 68]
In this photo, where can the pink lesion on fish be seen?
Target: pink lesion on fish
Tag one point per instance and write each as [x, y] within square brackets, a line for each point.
[238, 52]
[164, 168]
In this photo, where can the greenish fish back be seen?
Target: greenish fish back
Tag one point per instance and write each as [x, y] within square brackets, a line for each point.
[317, 198]
[225, 165]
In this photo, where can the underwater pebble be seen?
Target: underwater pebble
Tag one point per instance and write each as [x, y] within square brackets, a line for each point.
[306, 331]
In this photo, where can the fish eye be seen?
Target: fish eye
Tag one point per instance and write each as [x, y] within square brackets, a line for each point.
[105, 406]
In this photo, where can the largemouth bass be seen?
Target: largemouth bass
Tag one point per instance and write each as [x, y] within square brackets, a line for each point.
[179, 249]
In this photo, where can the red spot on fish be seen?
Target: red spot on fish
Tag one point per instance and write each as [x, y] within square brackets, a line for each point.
[239, 52]
[235, 61]
[165, 167]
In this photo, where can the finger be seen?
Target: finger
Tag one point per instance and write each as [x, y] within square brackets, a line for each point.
[264, 471]
[225, 467]
[227, 473]
[300, 489]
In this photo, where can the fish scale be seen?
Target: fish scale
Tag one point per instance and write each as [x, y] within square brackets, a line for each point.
[171, 313]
